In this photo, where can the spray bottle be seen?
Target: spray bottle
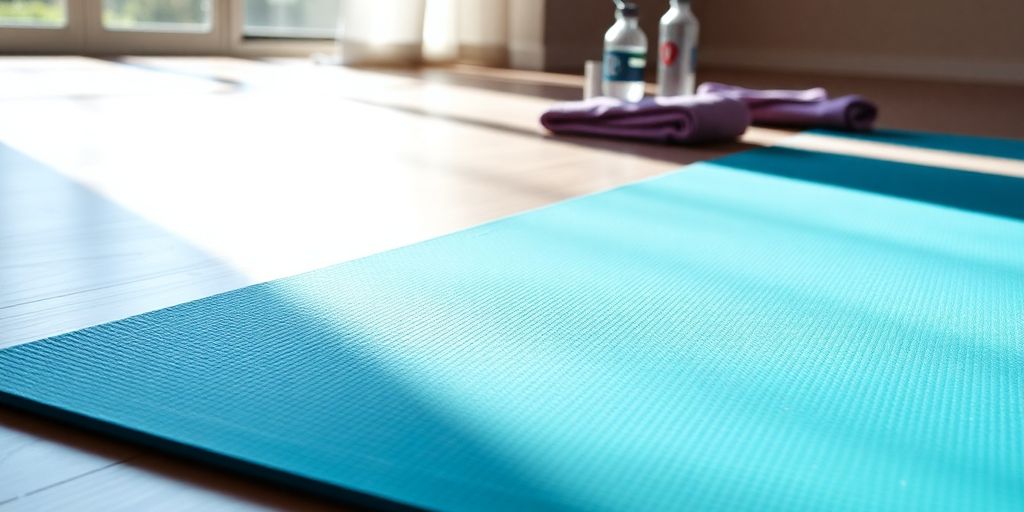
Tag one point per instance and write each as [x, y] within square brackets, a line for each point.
[677, 50]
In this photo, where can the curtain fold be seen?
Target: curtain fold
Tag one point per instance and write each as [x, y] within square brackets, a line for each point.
[410, 32]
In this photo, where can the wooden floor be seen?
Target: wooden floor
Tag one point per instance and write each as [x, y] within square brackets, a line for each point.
[133, 184]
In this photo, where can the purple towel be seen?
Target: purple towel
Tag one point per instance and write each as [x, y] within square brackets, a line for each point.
[682, 119]
[808, 108]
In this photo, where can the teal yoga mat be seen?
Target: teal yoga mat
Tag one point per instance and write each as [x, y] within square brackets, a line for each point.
[776, 330]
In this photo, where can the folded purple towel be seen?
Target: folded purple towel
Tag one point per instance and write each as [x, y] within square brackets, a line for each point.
[682, 119]
[807, 108]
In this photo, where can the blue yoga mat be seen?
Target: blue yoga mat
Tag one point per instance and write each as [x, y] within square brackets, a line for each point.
[776, 330]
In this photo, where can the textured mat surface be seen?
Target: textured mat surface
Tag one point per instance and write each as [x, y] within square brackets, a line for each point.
[778, 330]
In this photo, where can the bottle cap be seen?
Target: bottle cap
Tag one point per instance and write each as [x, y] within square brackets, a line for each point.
[629, 9]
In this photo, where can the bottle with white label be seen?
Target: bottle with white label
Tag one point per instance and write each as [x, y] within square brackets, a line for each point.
[677, 50]
[625, 56]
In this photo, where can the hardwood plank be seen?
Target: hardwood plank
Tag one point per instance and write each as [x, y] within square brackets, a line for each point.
[101, 474]
[34, 455]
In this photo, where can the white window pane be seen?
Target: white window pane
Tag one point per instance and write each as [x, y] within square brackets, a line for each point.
[291, 18]
[33, 13]
[158, 15]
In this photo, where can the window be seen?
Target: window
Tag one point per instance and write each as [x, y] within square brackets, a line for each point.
[33, 13]
[158, 15]
[291, 18]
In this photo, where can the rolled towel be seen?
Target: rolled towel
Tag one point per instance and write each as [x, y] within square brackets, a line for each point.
[811, 108]
[681, 119]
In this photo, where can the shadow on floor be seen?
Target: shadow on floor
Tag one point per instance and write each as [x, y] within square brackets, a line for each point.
[986, 193]
[677, 154]
[540, 85]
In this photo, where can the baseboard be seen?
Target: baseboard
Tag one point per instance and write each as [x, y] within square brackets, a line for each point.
[529, 57]
[483, 55]
[357, 53]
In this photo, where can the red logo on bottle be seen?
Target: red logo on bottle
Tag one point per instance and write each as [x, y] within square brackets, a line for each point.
[669, 51]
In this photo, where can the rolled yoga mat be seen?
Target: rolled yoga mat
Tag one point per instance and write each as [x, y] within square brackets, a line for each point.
[776, 330]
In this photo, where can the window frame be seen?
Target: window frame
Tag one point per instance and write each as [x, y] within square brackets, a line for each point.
[42, 39]
[84, 34]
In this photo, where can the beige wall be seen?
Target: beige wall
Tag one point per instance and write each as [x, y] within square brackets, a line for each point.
[977, 40]
[962, 39]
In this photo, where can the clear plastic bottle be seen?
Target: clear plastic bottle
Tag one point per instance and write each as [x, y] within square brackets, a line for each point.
[677, 50]
[625, 56]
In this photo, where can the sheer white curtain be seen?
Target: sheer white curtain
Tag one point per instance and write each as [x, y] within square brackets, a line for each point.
[412, 31]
